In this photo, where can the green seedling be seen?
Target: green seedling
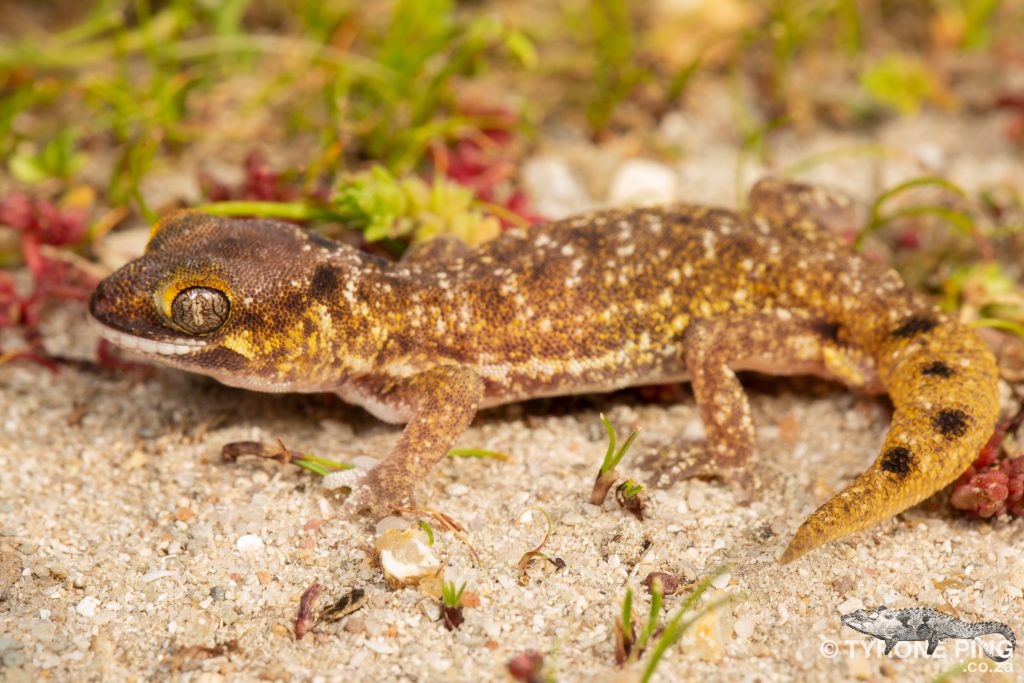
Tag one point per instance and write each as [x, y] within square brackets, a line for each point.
[607, 475]
[536, 554]
[631, 645]
[428, 530]
[630, 496]
[958, 218]
[477, 453]
[315, 464]
[451, 605]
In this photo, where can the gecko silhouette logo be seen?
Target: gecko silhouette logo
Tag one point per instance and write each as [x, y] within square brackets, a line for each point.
[916, 624]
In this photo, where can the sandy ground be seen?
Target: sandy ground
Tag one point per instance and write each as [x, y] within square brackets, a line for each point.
[128, 523]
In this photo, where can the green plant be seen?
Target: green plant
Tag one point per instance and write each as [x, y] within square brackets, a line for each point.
[451, 605]
[450, 595]
[958, 218]
[606, 475]
[611, 31]
[901, 82]
[631, 646]
[386, 208]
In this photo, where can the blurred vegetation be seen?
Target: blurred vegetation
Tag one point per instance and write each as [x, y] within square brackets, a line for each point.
[380, 113]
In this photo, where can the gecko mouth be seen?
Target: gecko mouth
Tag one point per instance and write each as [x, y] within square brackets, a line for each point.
[132, 342]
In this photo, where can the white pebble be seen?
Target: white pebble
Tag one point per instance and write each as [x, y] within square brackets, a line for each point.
[390, 522]
[851, 605]
[87, 606]
[456, 489]
[249, 543]
[745, 626]
[641, 181]
[156, 574]
[572, 519]
[380, 648]
[553, 189]
[721, 581]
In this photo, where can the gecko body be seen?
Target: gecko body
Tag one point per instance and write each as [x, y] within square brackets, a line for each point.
[594, 303]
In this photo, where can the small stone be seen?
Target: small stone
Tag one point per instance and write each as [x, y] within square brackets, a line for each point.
[842, 584]
[87, 606]
[744, 626]
[704, 638]
[722, 580]
[10, 571]
[249, 543]
[389, 523]
[7, 644]
[405, 557]
[12, 659]
[217, 592]
[850, 605]
[641, 181]
[456, 489]
[229, 616]
[553, 189]
[572, 519]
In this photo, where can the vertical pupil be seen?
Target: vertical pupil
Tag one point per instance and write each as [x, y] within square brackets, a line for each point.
[199, 309]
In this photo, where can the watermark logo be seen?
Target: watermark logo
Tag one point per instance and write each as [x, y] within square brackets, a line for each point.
[924, 632]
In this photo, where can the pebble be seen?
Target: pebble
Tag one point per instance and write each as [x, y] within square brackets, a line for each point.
[642, 181]
[87, 606]
[744, 626]
[7, 644]
[156, 574]
[13, 659]
[572, 519]
[405, 557]
[721, 581]
[217, 592]
[249, 543]
[851, 605]
[553, 189]
[456, 489]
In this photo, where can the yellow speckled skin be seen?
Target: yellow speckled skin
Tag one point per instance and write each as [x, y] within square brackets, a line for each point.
[593, 303]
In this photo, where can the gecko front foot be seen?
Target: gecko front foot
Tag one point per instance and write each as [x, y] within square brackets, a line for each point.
[373, 491]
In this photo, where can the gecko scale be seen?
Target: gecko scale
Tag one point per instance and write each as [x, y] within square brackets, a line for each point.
[598, 302]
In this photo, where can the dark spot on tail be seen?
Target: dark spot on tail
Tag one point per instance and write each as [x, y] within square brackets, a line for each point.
[828, 330]
[951, 422]
[915, 325]
[325, 281]
[898, 460]
[937, 369]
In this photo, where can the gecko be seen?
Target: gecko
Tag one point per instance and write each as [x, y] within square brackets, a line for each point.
[925, 623]
[593, 303]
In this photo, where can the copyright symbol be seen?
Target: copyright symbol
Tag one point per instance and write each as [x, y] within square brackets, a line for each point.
[829, 649]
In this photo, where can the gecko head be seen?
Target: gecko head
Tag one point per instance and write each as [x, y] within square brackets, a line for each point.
[217, 296]
[872, 622]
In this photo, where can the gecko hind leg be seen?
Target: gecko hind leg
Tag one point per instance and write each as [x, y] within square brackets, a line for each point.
[802, 210]
[780, 343]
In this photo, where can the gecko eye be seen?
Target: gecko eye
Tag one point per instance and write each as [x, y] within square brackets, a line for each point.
[200, 310]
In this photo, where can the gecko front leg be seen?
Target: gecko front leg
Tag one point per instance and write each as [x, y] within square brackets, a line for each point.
[440, 404]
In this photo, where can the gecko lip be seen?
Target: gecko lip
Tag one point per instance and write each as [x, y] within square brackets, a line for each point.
[143, 345]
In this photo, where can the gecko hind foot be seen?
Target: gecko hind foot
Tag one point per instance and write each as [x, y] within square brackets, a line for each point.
[695, 459]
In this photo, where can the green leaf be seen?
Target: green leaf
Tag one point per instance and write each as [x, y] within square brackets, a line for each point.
[900, 82]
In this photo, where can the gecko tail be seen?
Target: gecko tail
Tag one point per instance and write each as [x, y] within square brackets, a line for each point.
[986, 627]
[943, 383]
